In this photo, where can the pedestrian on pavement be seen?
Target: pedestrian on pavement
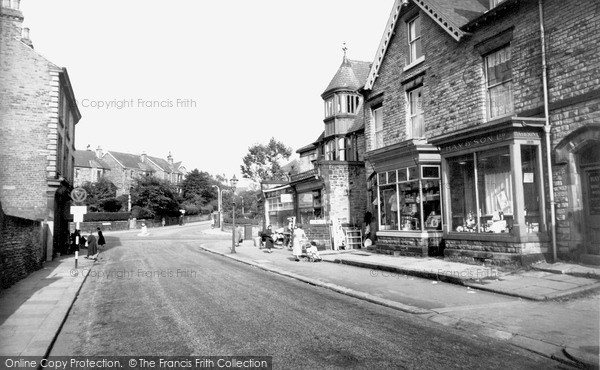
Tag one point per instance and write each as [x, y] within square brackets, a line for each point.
[163, 222]
[82, 241]
[299, 238]
[267, 238]
[101, 240]
[92, 245]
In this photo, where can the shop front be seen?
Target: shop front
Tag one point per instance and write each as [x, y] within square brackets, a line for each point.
[494, 191]
[279, 205]
[408, 199]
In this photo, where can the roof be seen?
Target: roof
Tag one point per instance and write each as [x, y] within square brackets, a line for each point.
[312, 146]
[290, 168]
[163, 164]
[130, 161]
[351, 75]
[450, 15]
[88, 159]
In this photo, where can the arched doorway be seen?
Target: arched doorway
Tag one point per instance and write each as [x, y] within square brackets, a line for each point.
[579, 229]
[589, 164]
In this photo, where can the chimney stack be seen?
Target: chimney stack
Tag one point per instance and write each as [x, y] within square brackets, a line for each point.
[12, 19]
[25, 37]
[170, 159]
[143, 157]
[99, 152]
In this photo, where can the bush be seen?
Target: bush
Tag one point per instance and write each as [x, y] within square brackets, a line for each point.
[242, 221]
[103, 216]
[111, 205]
[191, 209]
[140, 212]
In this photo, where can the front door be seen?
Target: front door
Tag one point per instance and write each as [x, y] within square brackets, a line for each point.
[590, 171]
[591, 196]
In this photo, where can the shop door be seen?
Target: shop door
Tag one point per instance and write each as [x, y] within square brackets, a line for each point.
[591, 201]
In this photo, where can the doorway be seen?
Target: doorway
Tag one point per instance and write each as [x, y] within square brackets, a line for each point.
[589, 162]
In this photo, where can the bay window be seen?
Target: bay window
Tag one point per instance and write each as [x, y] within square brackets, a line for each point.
[409, 200]
[483, 196]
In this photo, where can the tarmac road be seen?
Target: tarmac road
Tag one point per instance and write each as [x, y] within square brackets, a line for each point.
[163, 295]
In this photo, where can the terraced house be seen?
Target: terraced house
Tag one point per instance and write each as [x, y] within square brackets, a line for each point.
[38, 114]
[483, 130]
[125, 167]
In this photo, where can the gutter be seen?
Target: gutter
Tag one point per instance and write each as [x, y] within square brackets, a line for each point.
[547, 128]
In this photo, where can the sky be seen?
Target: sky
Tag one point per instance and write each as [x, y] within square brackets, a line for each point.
[202, 80]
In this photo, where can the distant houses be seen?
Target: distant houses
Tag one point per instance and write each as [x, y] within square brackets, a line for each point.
[123, 168]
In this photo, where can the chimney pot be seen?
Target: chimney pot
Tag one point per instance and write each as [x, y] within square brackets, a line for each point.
[6, 3]
[16, 4]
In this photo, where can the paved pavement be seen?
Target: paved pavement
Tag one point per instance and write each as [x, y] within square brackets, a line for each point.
[535, 314]
[33, 310]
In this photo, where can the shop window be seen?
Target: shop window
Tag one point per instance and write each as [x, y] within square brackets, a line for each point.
[482, 192]
[495, 189]
[377, 114]
[415, 120]
[403, 197]
[414, 40]
[498, 70]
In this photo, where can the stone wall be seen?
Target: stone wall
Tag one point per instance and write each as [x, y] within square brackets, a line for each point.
[495, 252]
[319, 234]
[21, 248]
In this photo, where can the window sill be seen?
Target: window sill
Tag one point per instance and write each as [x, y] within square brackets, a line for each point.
[419, 60]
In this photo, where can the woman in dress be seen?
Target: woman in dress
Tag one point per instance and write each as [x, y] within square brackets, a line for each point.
[101, 240]
[299, 237]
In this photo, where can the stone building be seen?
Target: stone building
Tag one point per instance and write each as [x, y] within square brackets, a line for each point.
[327, 187]
[89, 166]
[125, 167]
[483, 125]
[38, 114]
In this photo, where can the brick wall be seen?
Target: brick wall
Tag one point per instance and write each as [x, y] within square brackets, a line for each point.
[454, 88]
[24, 101]
[21, 248]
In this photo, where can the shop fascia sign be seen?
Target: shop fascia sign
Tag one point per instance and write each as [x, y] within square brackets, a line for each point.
[489, 138]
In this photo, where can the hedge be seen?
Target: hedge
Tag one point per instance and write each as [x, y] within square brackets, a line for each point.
[103, 216]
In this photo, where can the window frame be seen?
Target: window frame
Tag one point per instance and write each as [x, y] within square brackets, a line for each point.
[414, 42]
[377, 134]
[489, 87]
[411, 115]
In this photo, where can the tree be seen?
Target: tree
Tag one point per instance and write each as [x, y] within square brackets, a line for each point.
[154, 196]
[99, 193]
[263, 161]
[197, 188]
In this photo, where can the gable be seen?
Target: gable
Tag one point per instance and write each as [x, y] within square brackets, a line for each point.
[450, 15]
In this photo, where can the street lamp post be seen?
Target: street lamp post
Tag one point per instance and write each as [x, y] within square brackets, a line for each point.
[219, 205]
[233, 183]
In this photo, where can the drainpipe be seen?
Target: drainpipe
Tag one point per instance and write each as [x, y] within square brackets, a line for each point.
[547, 128]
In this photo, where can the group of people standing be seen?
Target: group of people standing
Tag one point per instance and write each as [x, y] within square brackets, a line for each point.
[297, 237]
[79, 241]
